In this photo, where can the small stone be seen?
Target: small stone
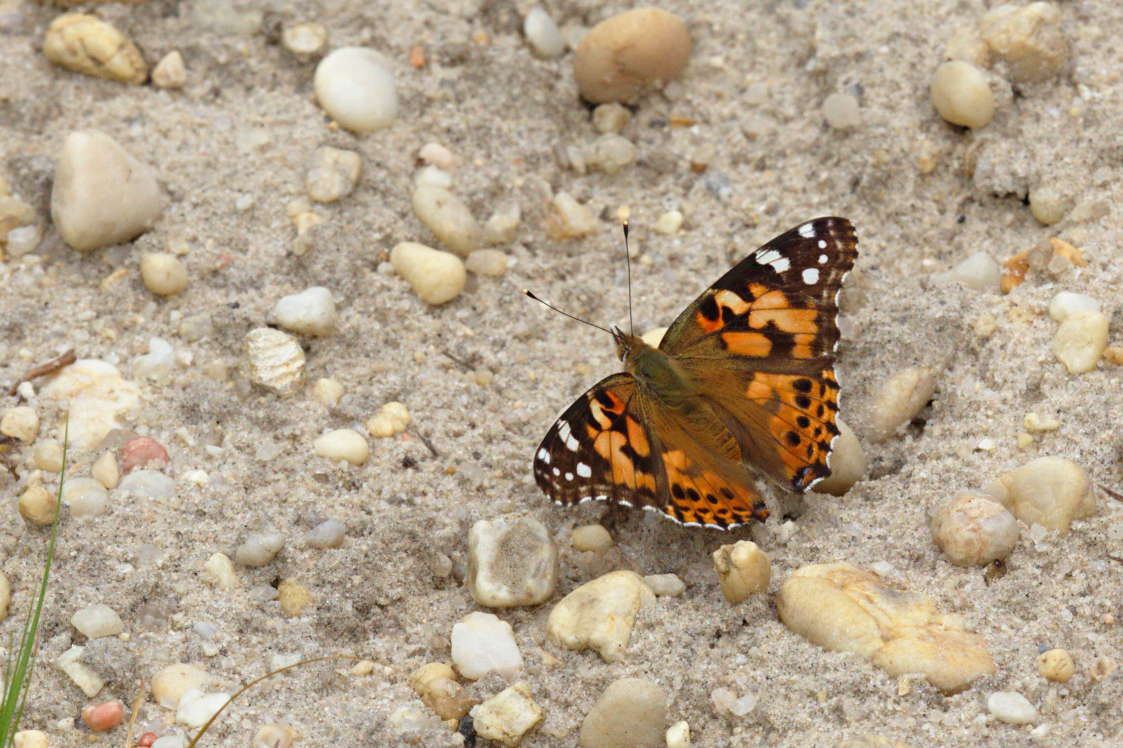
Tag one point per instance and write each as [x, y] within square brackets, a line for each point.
[610, 118]
[1066, 303]
[979, 271]
[841, 111]
[437, 155]
[543, 34]
[1050, 491]
[482, 644]
[1056, 665]
[503, 225]
[96, 397]
[743, 569]
[30, 739]
[1011, 707]
[293, 597]
[665, 585]
[259, 549]
[97, 621]
[669, 223]
[163, 274]
[220, 571]
[37, 505]
[274, 736]
[966, 45]
[974, 530]
[342, 444]
[610, 153]
[435, 276]
[961, 94]
[196, 708]
[631, 713]
[47, 455]
[82, 675]
[623, 56]
[448, 218]
[305, 40]
[678, 735]
[508, 716]
[169, 685]
[846, 609]
[436, 684]
[569, 219]
[594, 538]
[276, 360]
[900, 398]
[327, 391]
[102, 717]
[141, 452]
[1048, 204]
[355, 87]
[150, 484]
[654, 336]
[1038, 423]
[333, 174]
[1064, 251]
[90, 46]
[511, 562]
[24, 240]
[327, 534]
[101, 194]
[1080, 341]
[170, 71]
[20, 422]
[158, 363]
[1028, 38]
[105, 470]
[490, 262]
[85, 497]
[600, 614]
[310, 312]
[14, 213]
[847, 462]
[390, 420]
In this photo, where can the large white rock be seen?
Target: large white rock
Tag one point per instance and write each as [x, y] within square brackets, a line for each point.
[511, 562]
[482, 644]
[97, 397]
[356, 87]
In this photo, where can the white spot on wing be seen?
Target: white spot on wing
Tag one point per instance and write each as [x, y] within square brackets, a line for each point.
[781, 265]
[584, 470]
[544, 456]
[811, 276]
[572, 444]
[564, 430]
[807, 231]
[556, 472]
[822, 244]
[823, 259]
[569, 476]
[766, 256]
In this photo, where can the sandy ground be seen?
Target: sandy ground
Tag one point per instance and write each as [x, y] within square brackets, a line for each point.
[246, 125]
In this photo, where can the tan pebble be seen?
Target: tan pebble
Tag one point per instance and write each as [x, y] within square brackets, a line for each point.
[436, 277]
[37, 505]
[105, 470]
[293, 597]
[1023, 440]
[1056, 665]
[220, 571]
[678, 735]
[437, 155]
[622, 56]
[974, 530]
[610, 118]
[88, 45]
[1051, 491]
[30, 739]
[20, 422]
[276, 360]
[961, 94]
[448, 218]
[631, 713]
[1036, 422]
[594, 538]
[102, 717]
[487, 262]
[438, 688]
[1028, 38]
[1048, 204]
[327, 391]
[1103, 667]
[669, 223]
[305, 40]
[600, 614]
[333, 174]
[508, 716]
[966, 45]
[173, 681]
[274, 736]
[1063, 249]
[47, 455]
[170, 71]
[342, 444]
[143, 451]
[569, 219]
[900, 398]
[1080, 341]
[654, 336]
[503, 225]
[743, 570]
[390, 420]
[1114, 355]
[14, 213]
[848, 462]
[362, 668]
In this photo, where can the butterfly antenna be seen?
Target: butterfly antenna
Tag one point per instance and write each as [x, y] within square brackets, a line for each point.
[567, 314]
[628, 263]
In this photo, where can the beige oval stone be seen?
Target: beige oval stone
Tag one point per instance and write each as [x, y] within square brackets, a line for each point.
[622, 56]
[435, 276]
[448, 218]
[438, 688]
[1080, 341]
[974, 530]
[600, 614]
[1056, 665]
[900, 398]
[848, 462]
[743, 569]
[1051, 491]
[169, 685]
[511, 562]
[1028, 38]
[631, 713]
[88, 45]
[961, 94]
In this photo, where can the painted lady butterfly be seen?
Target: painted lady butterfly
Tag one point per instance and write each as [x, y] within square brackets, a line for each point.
[742, 383]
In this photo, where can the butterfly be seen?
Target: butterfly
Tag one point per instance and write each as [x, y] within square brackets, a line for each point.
[742, 384]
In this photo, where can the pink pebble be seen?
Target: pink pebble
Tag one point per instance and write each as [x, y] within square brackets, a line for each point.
[102, 717]
[146, 740]
[141, 451]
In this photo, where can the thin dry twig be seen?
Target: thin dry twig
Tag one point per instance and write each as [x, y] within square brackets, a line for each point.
[1113, 494]
[43, 370]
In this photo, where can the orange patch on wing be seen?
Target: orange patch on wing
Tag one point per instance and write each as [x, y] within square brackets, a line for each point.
[598, 415]
[747, 343]
[771, 300]
[707, 325]
[610, 445]
[704, 497]
[637, 438]
[731, 301]
[786, 319]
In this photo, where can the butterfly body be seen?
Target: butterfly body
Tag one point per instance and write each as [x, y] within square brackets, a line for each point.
[741, 385]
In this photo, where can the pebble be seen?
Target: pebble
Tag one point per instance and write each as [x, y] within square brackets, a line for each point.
[24, 240]
[143, 451]
[678, 735]
[170, 71]
[342, 444]
[1011, 707]
[543, 34]
[1048, 204]
[610, 153]
[974, 530]
[432, 176]
[846, 609]
[437, 155]
[390, 420]
[1080, 341]
[196, 708]
[482, 644]
[310, 312]
[158, 363]
[1056, 665]
[1049, 491]
[96, 397]
[293, 597]
[448, 218]
[151, 484]
[743, 569]
[1066, 303]
[259, 548]
[20, 422]
[46, 454]
[631, 713]
[569, 219]
[511, 562]
[305, 40]
[594, 538]
[961, 94]
[102, 717]
[30, 739]
[328, 391]
[356, 88]
[85, 497]
[847, 462]
[600, 614]
[665, 585]
[274, 736]
[1028, 38]
[503, 225]
[490, 262]
[508, 716]
[333, 174]
[980, 271]
[102, 195]
[220, 571]
[96, 621]
[623, 56]
[1038, 423]
[14, 213]
[163, 274]
[436, 684]
[654, 336]
[327, 534]
[841, 111]
[37, 505]
[82, 675]
[668, 223]
[900, 398]
[435, 276]
[276, 360]
[611, 118]
[86, 44]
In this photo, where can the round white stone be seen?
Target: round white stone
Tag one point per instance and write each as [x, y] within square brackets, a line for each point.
[97, 621]
[355, 87]
[1011, 707]
[1067, 303]
[163, 274]
[482, 644]
[961, 94]
[542, 33]
[310, 312]
[841, 111]
[259, 548]
[85, 497]
[342, 444]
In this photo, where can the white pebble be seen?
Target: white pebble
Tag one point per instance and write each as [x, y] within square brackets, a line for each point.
[333, 174]
[305, 40]
[961, 94]
[1011, 707]
[96, 621]
[503, 225]
[435, 276]
[743, 569]
[654, 336]
[665, 585]
[158, 363]
[437, 155]
[23, 240]
[432, 176]
[979, 271]
[173, 681]
[310, 312]
[631, 713]
[196, 707]
[342, 444]
[355, 87]
[511, 562]
[542, 33]
[81, 674]
[508, 716]
[848, 462]
[170, 71]
[85, 497]
[327, 391]
[1048, 204]
[490, 262]
[678, 735]
[1049, 491]
[259, 548]
[448, 218]
[105, 470]
[669, 223]
[593, 538]
[151, 484]
[163, 274]
[974, 530]
[276, 359]
[101, 194]
[1067, 303]
[20, 422]
[900, 398]
[1080, 341]
[1028, 38]
[570, 219]
[47, 455]
[327, 534]
[610, 153]
[611, 117]
[88, 45]
[390, 420]
[482, 644]
[841, 111]
[220, 571]
[600, 614]
[30, 739]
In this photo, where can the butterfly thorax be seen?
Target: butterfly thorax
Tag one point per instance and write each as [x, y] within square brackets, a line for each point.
[657, 374]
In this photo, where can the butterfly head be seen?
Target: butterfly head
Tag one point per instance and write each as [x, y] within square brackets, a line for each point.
[625, 343]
